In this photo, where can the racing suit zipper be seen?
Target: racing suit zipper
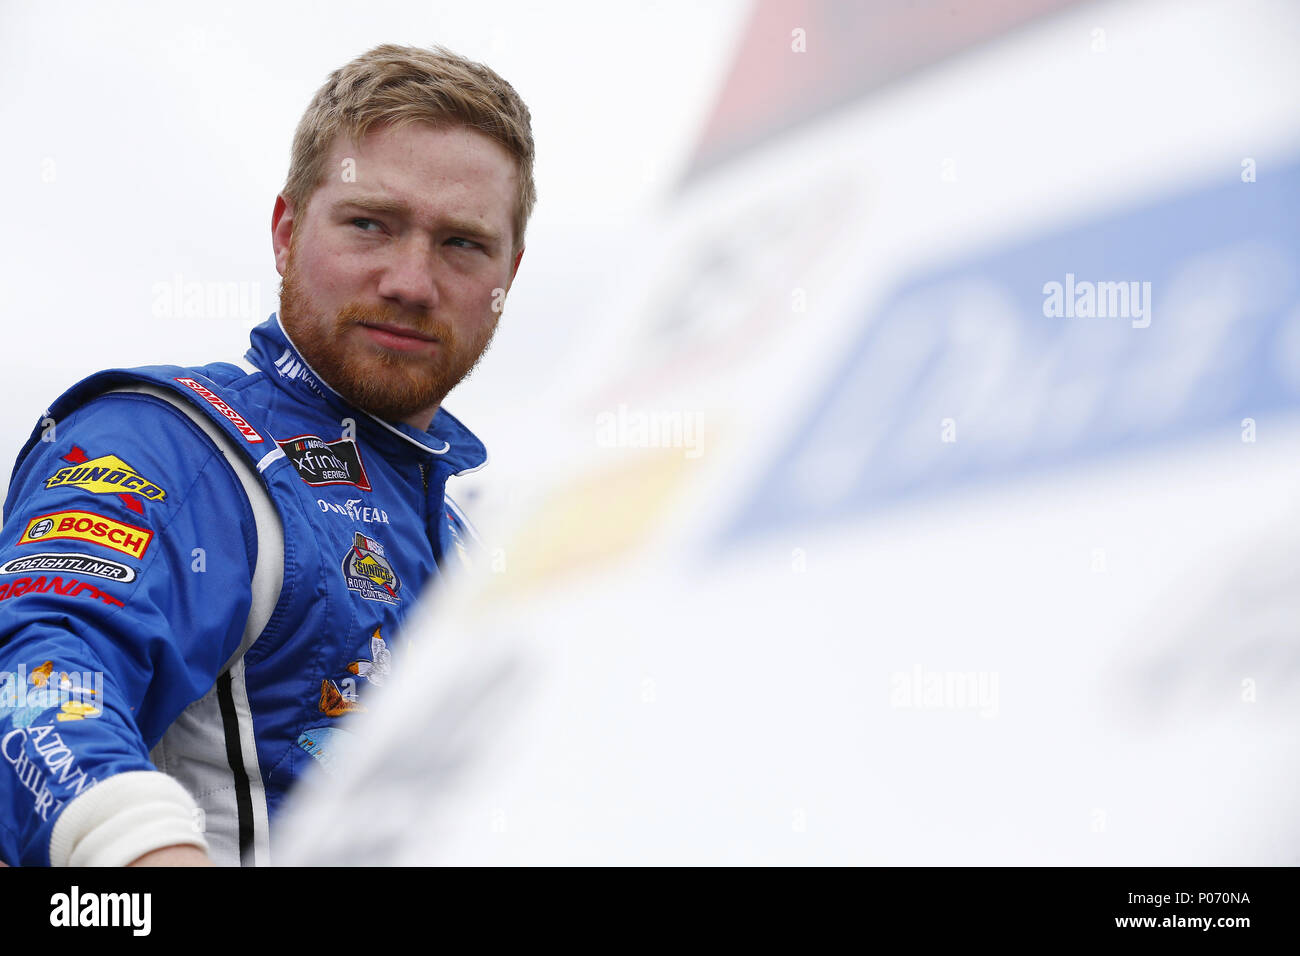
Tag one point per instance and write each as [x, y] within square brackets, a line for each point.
[432, 517]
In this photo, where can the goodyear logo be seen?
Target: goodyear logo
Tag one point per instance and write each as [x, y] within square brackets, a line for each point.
[90, 527]
[106, 475]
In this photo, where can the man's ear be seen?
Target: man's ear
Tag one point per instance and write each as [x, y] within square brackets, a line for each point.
[282, 221]
[518, 258]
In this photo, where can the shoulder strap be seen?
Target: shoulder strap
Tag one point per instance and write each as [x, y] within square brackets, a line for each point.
[268, 573]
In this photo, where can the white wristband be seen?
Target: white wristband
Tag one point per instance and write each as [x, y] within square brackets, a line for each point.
[120, 819]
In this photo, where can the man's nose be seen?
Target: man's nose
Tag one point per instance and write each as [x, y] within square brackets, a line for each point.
[408, 276]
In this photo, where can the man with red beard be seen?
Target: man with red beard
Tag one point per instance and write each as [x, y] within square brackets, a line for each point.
[393, 281]
[202, 570]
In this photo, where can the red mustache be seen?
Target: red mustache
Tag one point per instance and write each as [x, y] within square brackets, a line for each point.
[356, 314]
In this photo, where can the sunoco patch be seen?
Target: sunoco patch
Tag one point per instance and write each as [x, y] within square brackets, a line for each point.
[105, 475]
[368, 573]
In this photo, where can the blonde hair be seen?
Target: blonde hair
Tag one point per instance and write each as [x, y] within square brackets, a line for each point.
[404, 84]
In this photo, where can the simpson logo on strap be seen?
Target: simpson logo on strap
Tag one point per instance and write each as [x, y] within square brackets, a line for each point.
[248, 431]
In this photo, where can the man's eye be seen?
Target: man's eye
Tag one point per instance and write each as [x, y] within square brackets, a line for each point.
[468, 244]
[363, 223]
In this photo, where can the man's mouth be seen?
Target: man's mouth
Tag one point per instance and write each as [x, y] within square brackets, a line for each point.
[398, 336]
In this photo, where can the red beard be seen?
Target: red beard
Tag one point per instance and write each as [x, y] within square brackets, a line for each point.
[390, 385]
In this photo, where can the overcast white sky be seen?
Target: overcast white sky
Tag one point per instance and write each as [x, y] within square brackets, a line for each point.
[147, 141]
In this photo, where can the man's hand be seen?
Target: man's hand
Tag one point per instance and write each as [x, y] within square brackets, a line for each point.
[182, 855]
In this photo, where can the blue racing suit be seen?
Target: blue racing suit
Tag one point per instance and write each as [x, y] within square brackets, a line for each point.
[202, 570]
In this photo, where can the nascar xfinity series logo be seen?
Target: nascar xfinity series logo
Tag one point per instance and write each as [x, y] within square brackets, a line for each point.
[368, 572]
[319, 462]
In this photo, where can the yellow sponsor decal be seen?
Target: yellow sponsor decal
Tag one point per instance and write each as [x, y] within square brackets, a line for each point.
[375, 571]
[76, 710]
[105, 475]
[88, 526]
[592, 522]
